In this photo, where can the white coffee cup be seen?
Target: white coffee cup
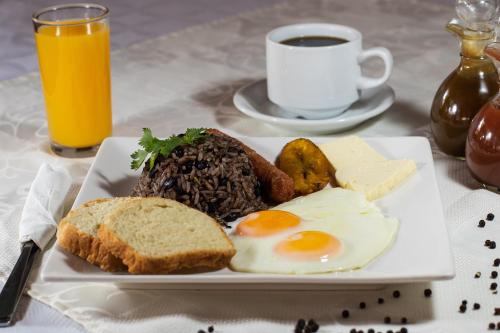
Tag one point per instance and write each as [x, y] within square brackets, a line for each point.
[321, 81]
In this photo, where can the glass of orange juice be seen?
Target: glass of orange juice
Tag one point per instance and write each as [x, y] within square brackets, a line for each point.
[73, 53]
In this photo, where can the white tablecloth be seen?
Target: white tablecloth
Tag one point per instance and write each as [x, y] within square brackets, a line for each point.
[187, 79]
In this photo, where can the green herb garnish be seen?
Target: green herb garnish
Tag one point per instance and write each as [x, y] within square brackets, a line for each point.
[154, 146]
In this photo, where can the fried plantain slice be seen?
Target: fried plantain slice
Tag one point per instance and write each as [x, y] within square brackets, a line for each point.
[306, 164]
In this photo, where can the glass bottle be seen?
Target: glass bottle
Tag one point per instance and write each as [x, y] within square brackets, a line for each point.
[483, 140]
[466, 89]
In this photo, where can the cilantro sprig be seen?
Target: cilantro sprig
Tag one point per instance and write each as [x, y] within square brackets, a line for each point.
[153, 147]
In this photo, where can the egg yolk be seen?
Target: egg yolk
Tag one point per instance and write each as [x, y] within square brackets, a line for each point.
[309, 245]
[266, 222]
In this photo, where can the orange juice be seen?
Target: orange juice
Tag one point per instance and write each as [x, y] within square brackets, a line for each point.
[74, 69]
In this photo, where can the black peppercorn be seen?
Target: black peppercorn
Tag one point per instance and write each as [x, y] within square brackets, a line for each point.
[201, 331]
[380, 301]
[494, 274]
[490, 216]
[307, 329]
[493, 286]
[427, 292]
[462, 308]
[491, 326]
[496, 262]
[403, 330]
[362, 305]
[396, 294]
[371, 330]
[345, 314]
[493, 245]
[210, 329]
[477, 275]
[487, 243]
[387, 320]
[477, 306]
[481, 224]
[301, 323]
[404, 320]
[353, 330]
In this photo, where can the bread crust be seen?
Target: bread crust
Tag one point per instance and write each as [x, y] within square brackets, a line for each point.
[86, 246]
[139, 264]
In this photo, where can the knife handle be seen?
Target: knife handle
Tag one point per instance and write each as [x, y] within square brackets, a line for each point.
[13, 288]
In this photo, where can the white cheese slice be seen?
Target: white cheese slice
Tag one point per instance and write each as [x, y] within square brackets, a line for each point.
[376, 178]
[350, 151]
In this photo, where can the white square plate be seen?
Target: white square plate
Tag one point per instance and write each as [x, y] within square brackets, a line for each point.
[421, 251]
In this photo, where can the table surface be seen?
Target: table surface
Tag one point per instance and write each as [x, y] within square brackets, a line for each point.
[132, 23]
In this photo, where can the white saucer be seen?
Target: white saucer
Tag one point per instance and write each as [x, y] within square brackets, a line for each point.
[252, 100]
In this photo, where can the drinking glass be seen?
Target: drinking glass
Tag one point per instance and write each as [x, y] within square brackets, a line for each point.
[72, 41]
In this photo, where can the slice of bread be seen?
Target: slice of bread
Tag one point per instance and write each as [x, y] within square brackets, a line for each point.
[157, 235]
[77, 233]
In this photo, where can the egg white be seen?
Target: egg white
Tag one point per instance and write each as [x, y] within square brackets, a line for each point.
[359, 225]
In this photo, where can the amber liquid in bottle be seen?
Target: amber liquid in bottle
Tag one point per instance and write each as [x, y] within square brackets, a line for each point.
[463, 93]
[483, 141]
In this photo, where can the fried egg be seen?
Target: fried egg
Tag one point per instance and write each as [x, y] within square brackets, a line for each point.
[330, 230]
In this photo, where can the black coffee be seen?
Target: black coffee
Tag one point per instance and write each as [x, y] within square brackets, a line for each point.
[314, 41]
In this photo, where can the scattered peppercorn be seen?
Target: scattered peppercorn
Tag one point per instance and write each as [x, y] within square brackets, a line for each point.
[498, 326]
[493, 286]
[390, 331]
[300, 323]
[487, 243]
[362, 305]
[210, 329]
[404, 320]
[491, 326]
[477, 306]
[464, 302]
[371, 330]
[493, 245]
[403, 330]
[494, 274]
[497, 312]
[387, 320]
[201, 331]
[490, 216]
[463, 308]
[380, 301]
[496, 262]
[314, 327]
[427, 292]
[396, 294]
[307, 329]
[345, 314]
[353, 331]
[481, 224]
[477, 275]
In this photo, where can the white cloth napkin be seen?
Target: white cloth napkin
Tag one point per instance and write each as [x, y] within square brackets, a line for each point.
[44, 205]
[107, 308]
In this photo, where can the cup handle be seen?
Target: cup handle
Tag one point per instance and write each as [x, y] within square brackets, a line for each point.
[386, 56]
